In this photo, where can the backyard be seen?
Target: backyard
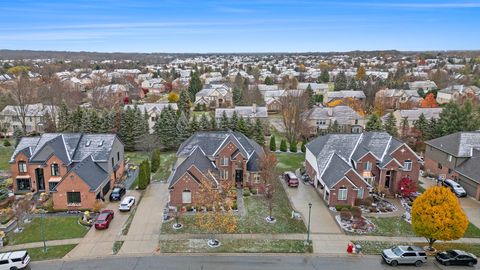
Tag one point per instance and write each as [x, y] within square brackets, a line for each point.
[135, 157]
[289, 161]
[5, 155]
[56, 228]
[167, 159]
[235, 246]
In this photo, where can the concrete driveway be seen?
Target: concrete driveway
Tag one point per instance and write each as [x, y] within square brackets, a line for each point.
[98, 243]
[321, 221]
[143, 235]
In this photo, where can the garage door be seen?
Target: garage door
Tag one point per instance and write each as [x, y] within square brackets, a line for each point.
[469, 186]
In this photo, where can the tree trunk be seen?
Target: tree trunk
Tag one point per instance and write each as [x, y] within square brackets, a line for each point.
[430, 243]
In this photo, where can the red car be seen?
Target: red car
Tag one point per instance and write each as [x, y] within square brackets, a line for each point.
[103, 220]
[291, 179]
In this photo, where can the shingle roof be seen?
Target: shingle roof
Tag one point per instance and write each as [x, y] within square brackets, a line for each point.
[243, 111]
[470, 168]
[196, 158]
[342, 114]
[91, 173]
[26, 146]
[335, 170]
[458, 144]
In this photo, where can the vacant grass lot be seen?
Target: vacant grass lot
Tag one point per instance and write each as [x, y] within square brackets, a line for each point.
[289, 161]
[376, 247]
[167, 160]
[53, 252]
[56, 228]
[5, 155]
[234, 246]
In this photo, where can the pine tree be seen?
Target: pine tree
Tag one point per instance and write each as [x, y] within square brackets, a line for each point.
[233, 121]
[258, 134]
[334, 128]
[155, 157]
[273, 144]
[352, 84]
[324, 76]
[268, 81]
[224, 122]
[213, 123]
[107, 121]
[293, 146]
[340, 81]
[165, 128]
[311, 96]
[303, 148]
[184, 103]
[127, 133]
[86, 125]
[242, 126]
[193, 125]
[182, 129]
[63, 118]
[283, 145]
[390, 125]
[421, 125]
[204, 124]
[237, 96]
[195, 85]
[374, 123]
[405, 128]
[75, 120]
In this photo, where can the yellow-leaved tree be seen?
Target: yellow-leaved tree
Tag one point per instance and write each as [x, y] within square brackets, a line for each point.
[437, 215]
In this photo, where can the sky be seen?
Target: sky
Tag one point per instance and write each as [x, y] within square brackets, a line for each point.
[209, 26]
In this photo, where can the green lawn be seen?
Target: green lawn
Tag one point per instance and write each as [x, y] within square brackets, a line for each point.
[376, 247]
[5, 155]
[472, 231]
[167, 160]
[53, 252]
[136, 157]
[235, 246]
[289, 161]
[117, 245]
[56, 228]
[254, 219]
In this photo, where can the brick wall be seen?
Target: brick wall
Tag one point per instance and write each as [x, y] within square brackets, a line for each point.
[73, 183]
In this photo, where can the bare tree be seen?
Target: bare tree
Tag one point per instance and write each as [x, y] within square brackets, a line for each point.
[293, 105]
[22, 208]
[24, 93]
[269, 175]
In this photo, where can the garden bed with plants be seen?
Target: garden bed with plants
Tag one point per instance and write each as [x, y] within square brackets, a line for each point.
[351, 220]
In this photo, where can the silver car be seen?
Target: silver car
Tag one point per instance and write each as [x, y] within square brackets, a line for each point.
[404, 255]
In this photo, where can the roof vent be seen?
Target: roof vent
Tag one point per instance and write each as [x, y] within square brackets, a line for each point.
[88, 143]
[100, 143]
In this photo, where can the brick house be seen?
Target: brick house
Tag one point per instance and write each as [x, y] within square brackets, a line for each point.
[398, 99]
[75, 169]
[456, 156]
[214, 156]
[215, 96]
[347, 166]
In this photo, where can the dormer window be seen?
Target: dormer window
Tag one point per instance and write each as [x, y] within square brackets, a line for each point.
[55, 169]
[224, 161]
[88, 143]
[22, 166]
[100, 143]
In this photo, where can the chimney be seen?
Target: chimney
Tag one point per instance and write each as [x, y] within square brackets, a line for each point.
[254, 108]
[330, 111]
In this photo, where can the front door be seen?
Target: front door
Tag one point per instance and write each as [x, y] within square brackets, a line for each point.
[40, 179]
[239, 178]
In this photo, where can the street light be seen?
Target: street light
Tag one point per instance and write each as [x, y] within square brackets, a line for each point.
[308, 228]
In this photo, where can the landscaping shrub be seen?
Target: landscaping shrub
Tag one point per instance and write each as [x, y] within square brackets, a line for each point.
[368, 201]
[97, 206]
[303, 148]
[340, 207]
[246, 192]
[358, 201]
[254, 191]
[234, 206]
[7, 143]
[373, 209]
[283, 146]
[356, 212]
[188, 208]
[293, 146]
[273, 144]
[345, 214]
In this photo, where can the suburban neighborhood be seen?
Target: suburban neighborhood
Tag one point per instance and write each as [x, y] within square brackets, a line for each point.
[239, 135]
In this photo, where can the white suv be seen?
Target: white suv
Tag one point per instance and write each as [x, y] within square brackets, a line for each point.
[14, 260]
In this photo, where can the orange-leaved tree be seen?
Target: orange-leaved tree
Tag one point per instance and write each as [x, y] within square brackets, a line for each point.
[437, 215]
[429, 101]
[269, 174]
[219, 217]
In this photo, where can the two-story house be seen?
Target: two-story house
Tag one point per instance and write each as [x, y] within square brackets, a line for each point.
[396, 99]
[215, 96]
[11, 117]
[214, 156]
[456, 156]
[458, 93]
[75, 169]
[319, 119]
[345, 96]
[346, 166]
[413, 115]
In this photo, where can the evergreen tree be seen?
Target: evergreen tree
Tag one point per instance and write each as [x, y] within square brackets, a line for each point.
[75, 120]
[293, 146]
[233, 121]
[165, 128]
[213, 123]
[340, 81]
[182, 129]
[63, 118]
[422, 126]
[390, 125]
[195, 85]
[303, 148]
[268, 81]
[258, 134]
[193, 126]
[242, 126]
[352, 84]
[273, 144]
[224, 122]
[107, 121]
[145, 124]
[374, 123]
[184, 103]
[311, 96]
[324, 76]
[17, 135]
[155, 157]
[237, 96]
[405, 128]
[334, 128]
[283, 145]
[204, 124]
[127, 133]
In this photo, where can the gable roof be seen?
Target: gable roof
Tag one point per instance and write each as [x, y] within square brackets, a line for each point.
[90, 172]
[458, 144]
[196, 158]
[336, 169]
[470, 168]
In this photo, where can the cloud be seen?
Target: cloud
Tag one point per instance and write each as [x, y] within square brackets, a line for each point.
[234, 10]
[439, 5]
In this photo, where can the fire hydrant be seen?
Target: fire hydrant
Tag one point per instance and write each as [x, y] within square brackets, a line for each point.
[350, 247]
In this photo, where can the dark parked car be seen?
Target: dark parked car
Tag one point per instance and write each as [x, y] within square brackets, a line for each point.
[117, 193]
[103, 220]
[291, 179]
[456, 257]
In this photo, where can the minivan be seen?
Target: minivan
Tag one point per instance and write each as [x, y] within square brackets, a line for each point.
[14, 260]
[291, 179]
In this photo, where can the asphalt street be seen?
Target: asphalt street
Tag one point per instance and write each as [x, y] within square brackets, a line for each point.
[253, 262]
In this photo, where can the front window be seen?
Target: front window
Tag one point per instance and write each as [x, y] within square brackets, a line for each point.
[368, 166]
[55, 170]
[407, 165]
[22, 166]
[186, 196]
[73, 198]
[52, 185]
[360, 193]
[342, 194]
[224, 174]
[321, 122]
[224, 161]
[256, 178]
[23, 184]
